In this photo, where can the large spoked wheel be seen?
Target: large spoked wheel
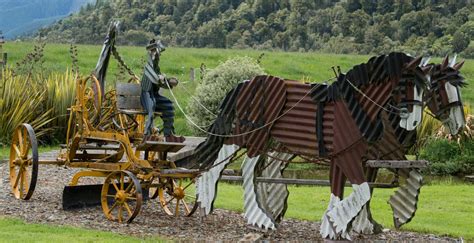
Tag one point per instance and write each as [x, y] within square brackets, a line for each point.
[121, 196]
[175, 198]
[23, 162]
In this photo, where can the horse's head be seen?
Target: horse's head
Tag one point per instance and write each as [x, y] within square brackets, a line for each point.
[444, 97]
[409, 94]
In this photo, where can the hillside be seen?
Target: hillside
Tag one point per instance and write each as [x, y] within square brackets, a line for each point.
[435, 27]
[21, 17]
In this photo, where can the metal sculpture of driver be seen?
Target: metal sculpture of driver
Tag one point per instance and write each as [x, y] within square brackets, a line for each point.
[151, 97]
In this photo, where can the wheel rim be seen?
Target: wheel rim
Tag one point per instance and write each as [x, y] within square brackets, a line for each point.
[121, 196]
[23, 162]
[175, 199]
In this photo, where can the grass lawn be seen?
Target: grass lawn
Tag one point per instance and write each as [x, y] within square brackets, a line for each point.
[14, 230]
[310, 67]
[445, 208]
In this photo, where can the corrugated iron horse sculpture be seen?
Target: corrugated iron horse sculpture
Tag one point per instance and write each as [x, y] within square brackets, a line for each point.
[276, 119]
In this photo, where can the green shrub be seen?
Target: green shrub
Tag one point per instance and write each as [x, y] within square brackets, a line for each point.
[448, 157]
[215, 85]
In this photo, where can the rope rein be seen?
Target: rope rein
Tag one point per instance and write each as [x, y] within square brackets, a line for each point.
[241, 134]
[371, 100]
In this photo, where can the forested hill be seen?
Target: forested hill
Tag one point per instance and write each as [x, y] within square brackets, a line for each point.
[20, 17]
[351, 26]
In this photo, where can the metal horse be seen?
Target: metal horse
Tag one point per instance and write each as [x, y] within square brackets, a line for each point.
[280, 118]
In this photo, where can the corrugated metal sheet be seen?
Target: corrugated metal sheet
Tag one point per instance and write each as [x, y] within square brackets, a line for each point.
[206, 184]
[296, 130]
[207, 152]
[273, 196]
[405, 200]
[254, 212]
[349, 145]
[260, 101]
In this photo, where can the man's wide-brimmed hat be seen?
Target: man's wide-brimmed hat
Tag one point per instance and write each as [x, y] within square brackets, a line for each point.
[154, 44]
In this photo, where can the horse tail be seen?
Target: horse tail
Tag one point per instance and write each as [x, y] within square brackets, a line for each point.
[207, 151]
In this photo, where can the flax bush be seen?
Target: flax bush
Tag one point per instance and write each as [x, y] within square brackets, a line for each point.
[215, 85]
[37, 100]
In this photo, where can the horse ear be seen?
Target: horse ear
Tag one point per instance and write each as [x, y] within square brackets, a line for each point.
[445, 62]
[426, 69]
[458, 65]
[414, 63]
[453, 61]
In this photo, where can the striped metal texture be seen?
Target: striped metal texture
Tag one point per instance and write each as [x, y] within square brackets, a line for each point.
[405, 200]
[255, 212]
[273, 196]
[206, 184]
[207, 152]
[260, 101]
[296, 130]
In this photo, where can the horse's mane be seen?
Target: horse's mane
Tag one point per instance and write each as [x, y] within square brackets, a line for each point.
[450, 74]
[381, 69]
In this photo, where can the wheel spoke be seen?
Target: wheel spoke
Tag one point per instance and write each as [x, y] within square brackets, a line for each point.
[120, 212]
[22, 185]
[129, 211]
[177, 208]
[112, 208]
[20, 138]
[190, 183]
[17, 150]
[121, 181]
[189, 196]
[185, 206]
[112, 196]
[129, 187]
[169, 201]
[131, 198]
[18, 175]
[115, 185]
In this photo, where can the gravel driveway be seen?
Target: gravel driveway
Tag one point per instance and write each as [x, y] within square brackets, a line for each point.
[45, 207]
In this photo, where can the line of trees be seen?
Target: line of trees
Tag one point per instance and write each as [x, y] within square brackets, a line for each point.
[435, 27]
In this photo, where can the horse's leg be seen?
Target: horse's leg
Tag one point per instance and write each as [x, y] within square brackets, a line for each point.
[408, 194]
[337, 180]
[206, 184]
[255, 213]
[344, 212]
[364, 223]
[272, 196]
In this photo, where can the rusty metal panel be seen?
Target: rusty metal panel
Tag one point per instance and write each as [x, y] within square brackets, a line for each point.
[296, 130]
[349, 144]
[405, 200]
[207, 151]
[260, 102]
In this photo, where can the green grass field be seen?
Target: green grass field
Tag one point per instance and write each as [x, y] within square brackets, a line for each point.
[14, 230]
[445, 207]
[310, 67]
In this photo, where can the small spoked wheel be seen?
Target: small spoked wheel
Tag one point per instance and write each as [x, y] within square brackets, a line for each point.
[23, 162]
[175, 196]
[121, 196]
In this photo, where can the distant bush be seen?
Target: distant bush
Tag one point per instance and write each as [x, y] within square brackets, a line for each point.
[216, 83]
[448, 157]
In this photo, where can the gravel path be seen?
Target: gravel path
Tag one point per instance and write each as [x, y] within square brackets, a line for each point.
[45, 207]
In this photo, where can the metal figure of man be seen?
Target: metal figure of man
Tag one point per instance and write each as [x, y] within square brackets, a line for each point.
[151, 98]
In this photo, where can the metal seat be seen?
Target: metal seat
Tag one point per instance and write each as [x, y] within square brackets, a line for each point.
[128, 99]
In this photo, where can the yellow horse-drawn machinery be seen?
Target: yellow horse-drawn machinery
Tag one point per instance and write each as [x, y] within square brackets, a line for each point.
[105, 139]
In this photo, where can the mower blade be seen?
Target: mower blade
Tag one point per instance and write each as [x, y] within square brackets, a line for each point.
[82, 196]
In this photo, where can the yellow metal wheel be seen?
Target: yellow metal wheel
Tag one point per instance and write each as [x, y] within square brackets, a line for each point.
[175, 198]
[23, 162]
[121, 196]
